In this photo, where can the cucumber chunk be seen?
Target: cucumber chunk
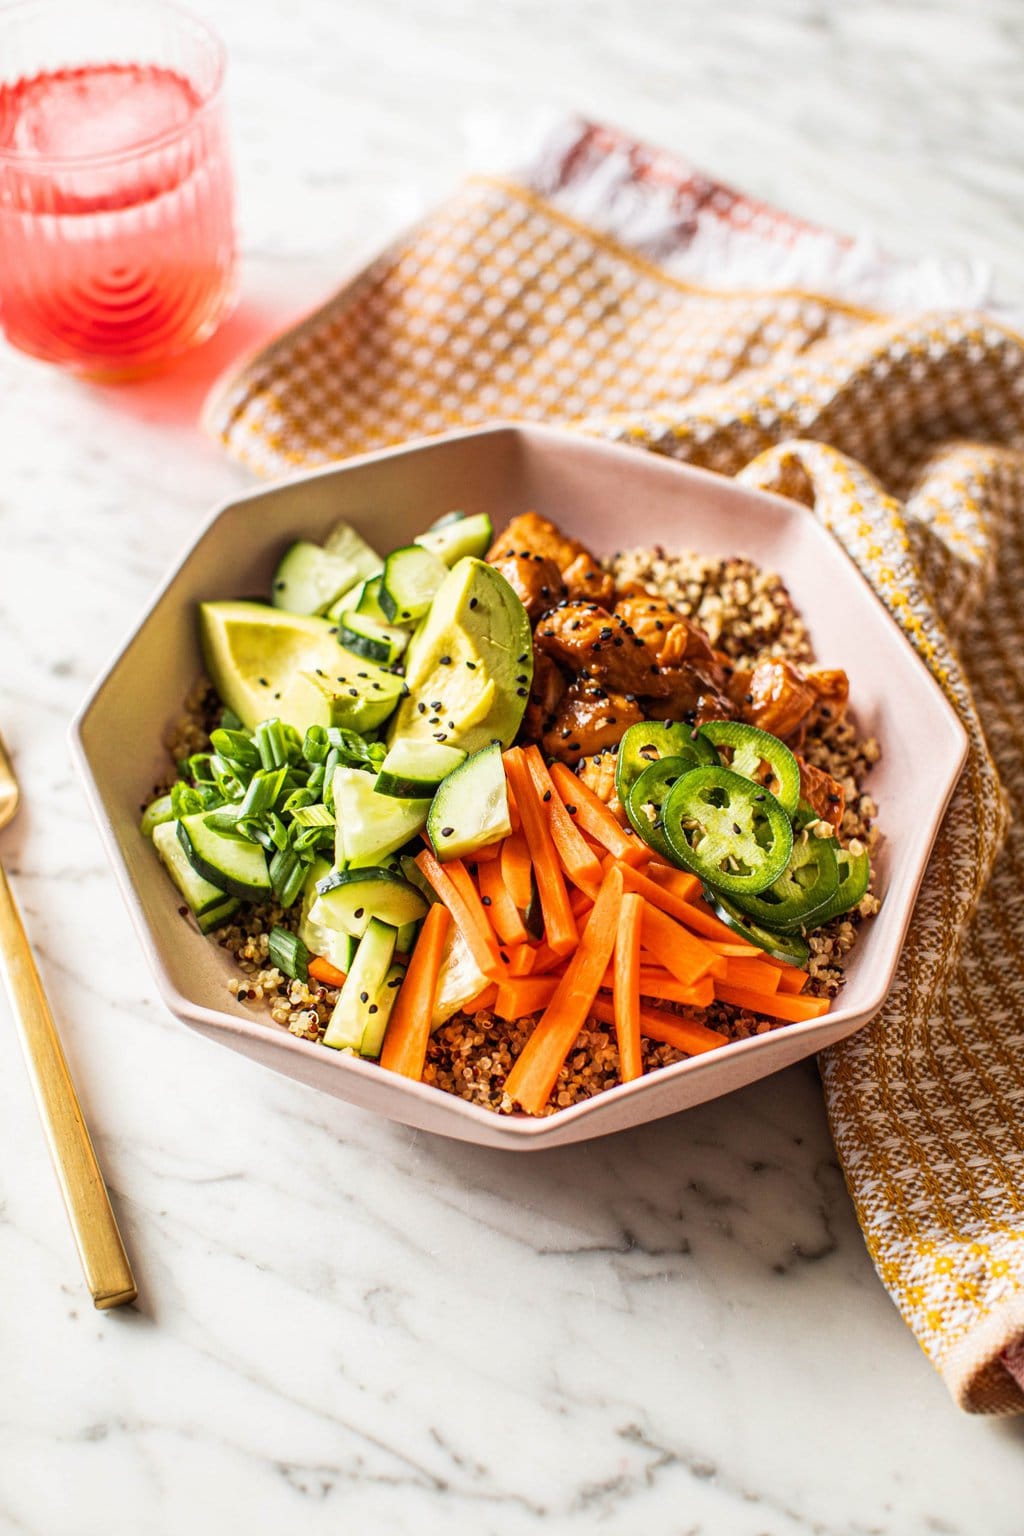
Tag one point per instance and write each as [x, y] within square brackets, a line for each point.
[200, 894]
[368, 637]
[216, 916]
[346, 544]
[470, 808]
[414, 769]
[332, 944]
[406, 938]
[368, 825]
[156, 812]
[377, 1023]
[411, 578]
[237, 867]
[365, 981]
[456, 535]
[350, 899]
[308, 579]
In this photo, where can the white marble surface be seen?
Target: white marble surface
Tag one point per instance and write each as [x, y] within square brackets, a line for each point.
[342, 1326]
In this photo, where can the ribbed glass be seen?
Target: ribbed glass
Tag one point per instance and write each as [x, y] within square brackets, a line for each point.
[117, 249]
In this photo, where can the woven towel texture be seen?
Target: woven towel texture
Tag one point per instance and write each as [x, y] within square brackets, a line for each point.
[905, 436]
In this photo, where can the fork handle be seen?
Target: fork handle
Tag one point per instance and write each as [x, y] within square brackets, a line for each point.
[107, 1271]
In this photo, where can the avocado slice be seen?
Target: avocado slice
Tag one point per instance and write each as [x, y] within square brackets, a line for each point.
[469, 666]
[266, 663]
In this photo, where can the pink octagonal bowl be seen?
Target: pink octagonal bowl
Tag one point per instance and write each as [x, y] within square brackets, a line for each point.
[613, 498]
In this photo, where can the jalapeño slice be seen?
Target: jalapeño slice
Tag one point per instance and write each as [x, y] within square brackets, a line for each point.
[807, 884]
[788, 947]
[750, 748]
[649, 741]
[647, 796]
[730, 832]
[854, 874]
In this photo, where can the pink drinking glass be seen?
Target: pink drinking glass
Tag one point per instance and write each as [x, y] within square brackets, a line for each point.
[117, 242]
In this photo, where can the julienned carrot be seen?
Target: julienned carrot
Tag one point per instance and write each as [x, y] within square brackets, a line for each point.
[537, 1067]
[779, 1005]
[702, 920]
[677, 950]
[408, 1031]
[791, 980]
[467, 911]
[520, 960]
[327, 974]
[753, 974]
[559, 923]
[626, 988]
[670, 1028]
[519, 998]
[486, 853]
[578, 859]
[545, 960]
[484, 999]
[500, 907]
[517, 870]
[659, 984]
[581, 902]
[740, 950]
[660, 896]
[513, 809]
[684, 885]
[594, 817]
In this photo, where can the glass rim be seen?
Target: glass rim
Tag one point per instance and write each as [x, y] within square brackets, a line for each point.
[148, 142]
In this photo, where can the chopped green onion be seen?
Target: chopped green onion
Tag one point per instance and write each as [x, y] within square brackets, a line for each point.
[287, 875]
[264, 788]
[315, 782]
[312, 816]
[315, 745]
[310, 840]
[235, 747]
[156, 811]
[278, 831]
[289, 954]
[298, 800]
[200, 768]
[271, 744]
[186, 801]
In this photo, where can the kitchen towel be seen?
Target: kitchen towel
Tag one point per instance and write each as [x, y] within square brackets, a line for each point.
[612, 287]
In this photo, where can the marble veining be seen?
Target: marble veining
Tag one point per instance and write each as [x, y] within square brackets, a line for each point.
[345, 1325]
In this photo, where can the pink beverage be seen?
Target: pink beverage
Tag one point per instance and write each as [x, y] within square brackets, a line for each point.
[117, 242]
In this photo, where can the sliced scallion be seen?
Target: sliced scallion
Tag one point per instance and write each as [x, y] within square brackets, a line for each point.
[157, 811]
[289, 954]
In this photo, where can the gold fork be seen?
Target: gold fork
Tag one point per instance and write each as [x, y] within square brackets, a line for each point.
[107, 1271]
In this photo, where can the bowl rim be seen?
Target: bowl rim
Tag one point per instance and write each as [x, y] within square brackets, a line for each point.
[508, 1128]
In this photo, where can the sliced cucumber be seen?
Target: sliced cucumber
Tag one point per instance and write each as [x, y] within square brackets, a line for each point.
[406, 938]
[346, 603]
[383, 643]
[216, 916]
[470, 808]
[237, 867]
[377, 1022]
[368, 825]
[309, 579]
[411, 578]
[368, 602]
[350, 899]
[345, 544]
[413, 769]
[365, 980]
[456, 535]
[157, 812]
[333, 944]
[415, 876]
[200, 894]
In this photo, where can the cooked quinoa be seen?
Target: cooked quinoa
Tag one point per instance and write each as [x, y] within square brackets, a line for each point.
[748, 614]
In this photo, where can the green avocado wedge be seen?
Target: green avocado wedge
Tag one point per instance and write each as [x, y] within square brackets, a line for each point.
[469, 665]
[265, 662]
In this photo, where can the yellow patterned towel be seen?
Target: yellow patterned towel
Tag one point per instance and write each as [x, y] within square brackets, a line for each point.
[569, 295]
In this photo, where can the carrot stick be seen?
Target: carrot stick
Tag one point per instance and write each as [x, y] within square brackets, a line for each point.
[484, 999]
[752, 974]
[486, 852]
[677, 950]
[408, 1031]
[327, 974]
[516, 870]
[594, 817]
[520, 960]
[518, 999]
[500, 907]
[626, 988]
[578, 859]
[660, 896]
[659, 984]
[513, 809]
[738, 951]
[581, 902]
[537, 1067]
[671, 1028]
[465, 908]
[685, 885]
[559, 923]
[545, 960]
[792, 980]
[702, 920]
[794, 1010]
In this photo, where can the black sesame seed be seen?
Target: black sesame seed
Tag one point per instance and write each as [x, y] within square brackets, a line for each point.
[444, 661]
[447, 831]
[372, 1008]
[473, 602]
[422, 708]
[471, 665]
[485, 901]
[264, 683]
[357, 914]
[547, 796]
[522, 692]
[364, 997]
[571, 809]
[440, 735]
